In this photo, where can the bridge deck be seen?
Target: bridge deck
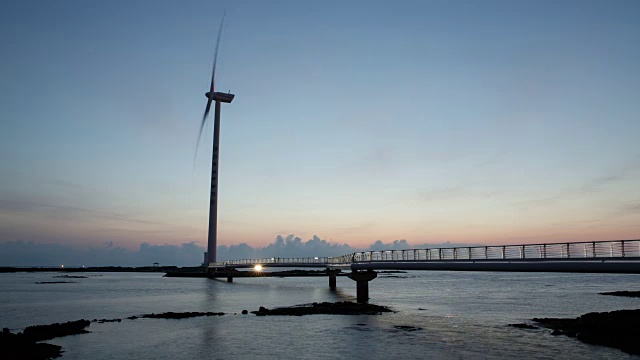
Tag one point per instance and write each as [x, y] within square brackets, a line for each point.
[618, 256]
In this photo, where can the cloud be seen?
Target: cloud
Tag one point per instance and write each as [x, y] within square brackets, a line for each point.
[29, 253]
[293, 246]
[71, 212]
[631, 208]
[536, 203]
[600, 182]
[290, 246]
[395, 245]
[466, 191]
[403, 245]
[442, 194]
[240, 251]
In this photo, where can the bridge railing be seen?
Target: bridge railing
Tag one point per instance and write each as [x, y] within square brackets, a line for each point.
[327, 260]
[568, 250]
[572, 250]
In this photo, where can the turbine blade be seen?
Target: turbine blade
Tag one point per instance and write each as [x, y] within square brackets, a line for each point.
[212, 87]
[215, 54]
[204, 120]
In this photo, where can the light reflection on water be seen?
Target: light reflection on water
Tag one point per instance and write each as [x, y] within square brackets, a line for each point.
[462, 315]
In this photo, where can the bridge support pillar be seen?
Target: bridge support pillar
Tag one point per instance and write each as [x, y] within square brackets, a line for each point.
[362, 279]
[230, 275]
[332, 277]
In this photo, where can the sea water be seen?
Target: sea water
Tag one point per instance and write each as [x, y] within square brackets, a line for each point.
[460, 315]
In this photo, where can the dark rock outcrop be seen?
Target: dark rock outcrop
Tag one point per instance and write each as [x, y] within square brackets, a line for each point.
[101, 321]
[337, 308]
[407, 328]
[175, 315]
[25, 345]
[17, 346]
[617, 329]
[622, 293]
[48, 332]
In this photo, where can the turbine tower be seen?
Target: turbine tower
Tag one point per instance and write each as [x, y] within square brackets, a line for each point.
[219, 98]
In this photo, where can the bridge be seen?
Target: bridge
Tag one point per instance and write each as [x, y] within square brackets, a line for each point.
[611, 256]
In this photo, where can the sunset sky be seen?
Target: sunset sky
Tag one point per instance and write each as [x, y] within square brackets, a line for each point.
[490, 122]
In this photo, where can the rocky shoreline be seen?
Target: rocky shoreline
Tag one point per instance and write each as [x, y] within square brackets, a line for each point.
[164, 269]
[615, 329]
[27, 345]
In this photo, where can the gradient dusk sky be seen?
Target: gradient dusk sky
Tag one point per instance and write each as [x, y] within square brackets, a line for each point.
[485, 122]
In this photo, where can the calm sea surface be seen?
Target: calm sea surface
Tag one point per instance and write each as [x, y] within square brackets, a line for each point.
[463, 315]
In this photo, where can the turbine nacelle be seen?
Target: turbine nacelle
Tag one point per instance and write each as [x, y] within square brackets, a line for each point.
[218, 96]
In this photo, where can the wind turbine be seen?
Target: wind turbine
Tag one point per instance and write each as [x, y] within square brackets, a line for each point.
[219, 98]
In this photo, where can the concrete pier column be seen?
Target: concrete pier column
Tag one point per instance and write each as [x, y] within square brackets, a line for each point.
[230, 275]
[362, 279]
[332, 277]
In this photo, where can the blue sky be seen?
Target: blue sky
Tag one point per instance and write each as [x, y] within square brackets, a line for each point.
[489, 122]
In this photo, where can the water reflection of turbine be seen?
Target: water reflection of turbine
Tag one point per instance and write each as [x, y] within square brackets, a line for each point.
[219, 98]
[212, 332]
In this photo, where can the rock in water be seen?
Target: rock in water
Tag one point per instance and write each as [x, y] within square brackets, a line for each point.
[622, 293]
[407, 328]
[337, 308]
[617, 329]
[25, 345]
[18, 347]
[48, 332]
[180, 315]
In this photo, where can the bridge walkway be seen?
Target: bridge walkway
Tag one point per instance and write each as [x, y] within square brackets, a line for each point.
[611, 256]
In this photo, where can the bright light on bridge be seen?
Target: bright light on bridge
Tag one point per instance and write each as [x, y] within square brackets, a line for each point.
[257, 268]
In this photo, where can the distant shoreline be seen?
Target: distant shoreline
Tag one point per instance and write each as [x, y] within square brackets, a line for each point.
[170, 271]
[10, 269]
